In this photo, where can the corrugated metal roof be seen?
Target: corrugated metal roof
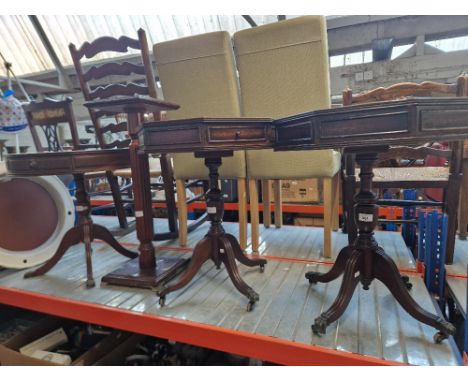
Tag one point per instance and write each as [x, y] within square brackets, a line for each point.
[21, 45]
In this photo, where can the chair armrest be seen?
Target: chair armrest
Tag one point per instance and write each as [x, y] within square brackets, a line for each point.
[132, 104]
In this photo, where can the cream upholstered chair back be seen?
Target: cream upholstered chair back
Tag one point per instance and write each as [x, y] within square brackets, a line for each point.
[199, 74]
[284, 67]
[283, 70]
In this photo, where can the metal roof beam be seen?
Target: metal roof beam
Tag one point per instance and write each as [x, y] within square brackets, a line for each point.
[35, 87]
[356, 33]
[335, 22]
[64, 80]
[250, 20]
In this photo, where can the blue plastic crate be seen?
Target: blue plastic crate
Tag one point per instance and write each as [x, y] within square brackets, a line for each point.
[431, 249]
[390, 226]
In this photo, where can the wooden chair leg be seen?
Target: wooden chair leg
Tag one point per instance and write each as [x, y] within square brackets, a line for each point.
[463, 211]
[278, 203]
[242, 196]
[119, 207]
[254, 221]
[451, 198]
[327, 216]
[336, 202]
[266, 198]
[182, 211]
[168, 181]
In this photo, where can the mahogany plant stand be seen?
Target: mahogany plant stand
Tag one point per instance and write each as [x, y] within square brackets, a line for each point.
[364, 261]
[217, 245]
[85, 232]
[146, 271]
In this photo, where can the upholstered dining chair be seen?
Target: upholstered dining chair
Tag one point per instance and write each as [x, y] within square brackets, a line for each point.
[199, 74]
[283, 70]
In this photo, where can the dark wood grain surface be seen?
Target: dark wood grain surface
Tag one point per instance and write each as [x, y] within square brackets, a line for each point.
[67, 162]
[207, 134]
[407, 121]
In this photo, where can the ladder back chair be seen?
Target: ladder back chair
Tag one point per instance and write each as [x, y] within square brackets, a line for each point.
[283, 70]
[113, 135]
[199, 74]
[447, 177]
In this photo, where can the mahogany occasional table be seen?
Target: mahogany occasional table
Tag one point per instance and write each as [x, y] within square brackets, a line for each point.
[76, 163]
[212, 139]
[367, 129]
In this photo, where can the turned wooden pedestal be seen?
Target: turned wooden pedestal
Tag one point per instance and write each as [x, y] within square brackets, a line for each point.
[146, 271]
[217, 245]
[85, 233]
[363, 261]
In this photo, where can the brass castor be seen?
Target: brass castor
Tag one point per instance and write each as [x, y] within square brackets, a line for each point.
[253, 298]
[406, 281]
[439, 337]
[319, 326]
[311, 277]
[448, 329]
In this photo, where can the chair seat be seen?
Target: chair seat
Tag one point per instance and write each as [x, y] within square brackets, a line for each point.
[154, 164]
[95, 174]
[186, 166]
[127, 173]
[267, 164]
[405, 174]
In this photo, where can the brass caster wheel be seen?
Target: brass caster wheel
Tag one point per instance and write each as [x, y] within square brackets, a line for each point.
[262, 268]
[310, 276]
[90, 283]
[439, 337]
[319, 326]
[447, 329]
[162, 301]
[406, 281]
[250, 306]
